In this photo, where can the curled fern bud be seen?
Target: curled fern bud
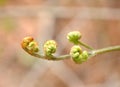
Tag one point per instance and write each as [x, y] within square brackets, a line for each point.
[75, 51]
[74, 37]
[83, 57]
[29, 45]
[50, 47]
[33, 47]
[26, 41]
[78, 55]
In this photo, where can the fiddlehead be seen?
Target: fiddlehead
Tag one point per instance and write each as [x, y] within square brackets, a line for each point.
[76, 53]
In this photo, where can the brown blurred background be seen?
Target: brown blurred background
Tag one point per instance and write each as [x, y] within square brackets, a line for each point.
[99, 23]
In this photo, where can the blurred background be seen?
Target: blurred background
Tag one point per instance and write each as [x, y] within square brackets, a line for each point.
[99, 23]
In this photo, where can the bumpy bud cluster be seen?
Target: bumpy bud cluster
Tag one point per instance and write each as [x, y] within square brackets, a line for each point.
[74, 36]
[29, 45]
[50, 47]
[78, 55]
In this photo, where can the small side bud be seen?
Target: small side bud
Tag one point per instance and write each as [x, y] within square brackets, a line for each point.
[50, 47]
[74, 36]
[78, 55]
[75, 51]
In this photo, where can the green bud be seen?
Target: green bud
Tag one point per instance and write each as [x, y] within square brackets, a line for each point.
[75, 49]
[33, 47]
[50, 47]
[36, 49]
[78, 55]
[83, 57]
[32, 44]
[74, 37]
[77, 60]
[75, 55]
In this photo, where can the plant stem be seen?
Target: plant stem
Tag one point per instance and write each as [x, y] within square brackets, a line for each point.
[105, 50]
[91, 53]
[55, 58]
[85, 45]
[61, 57]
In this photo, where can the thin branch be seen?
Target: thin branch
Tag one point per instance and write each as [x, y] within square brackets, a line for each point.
[91, 53]
[85, 45]
[54, 58]
[104, 50]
